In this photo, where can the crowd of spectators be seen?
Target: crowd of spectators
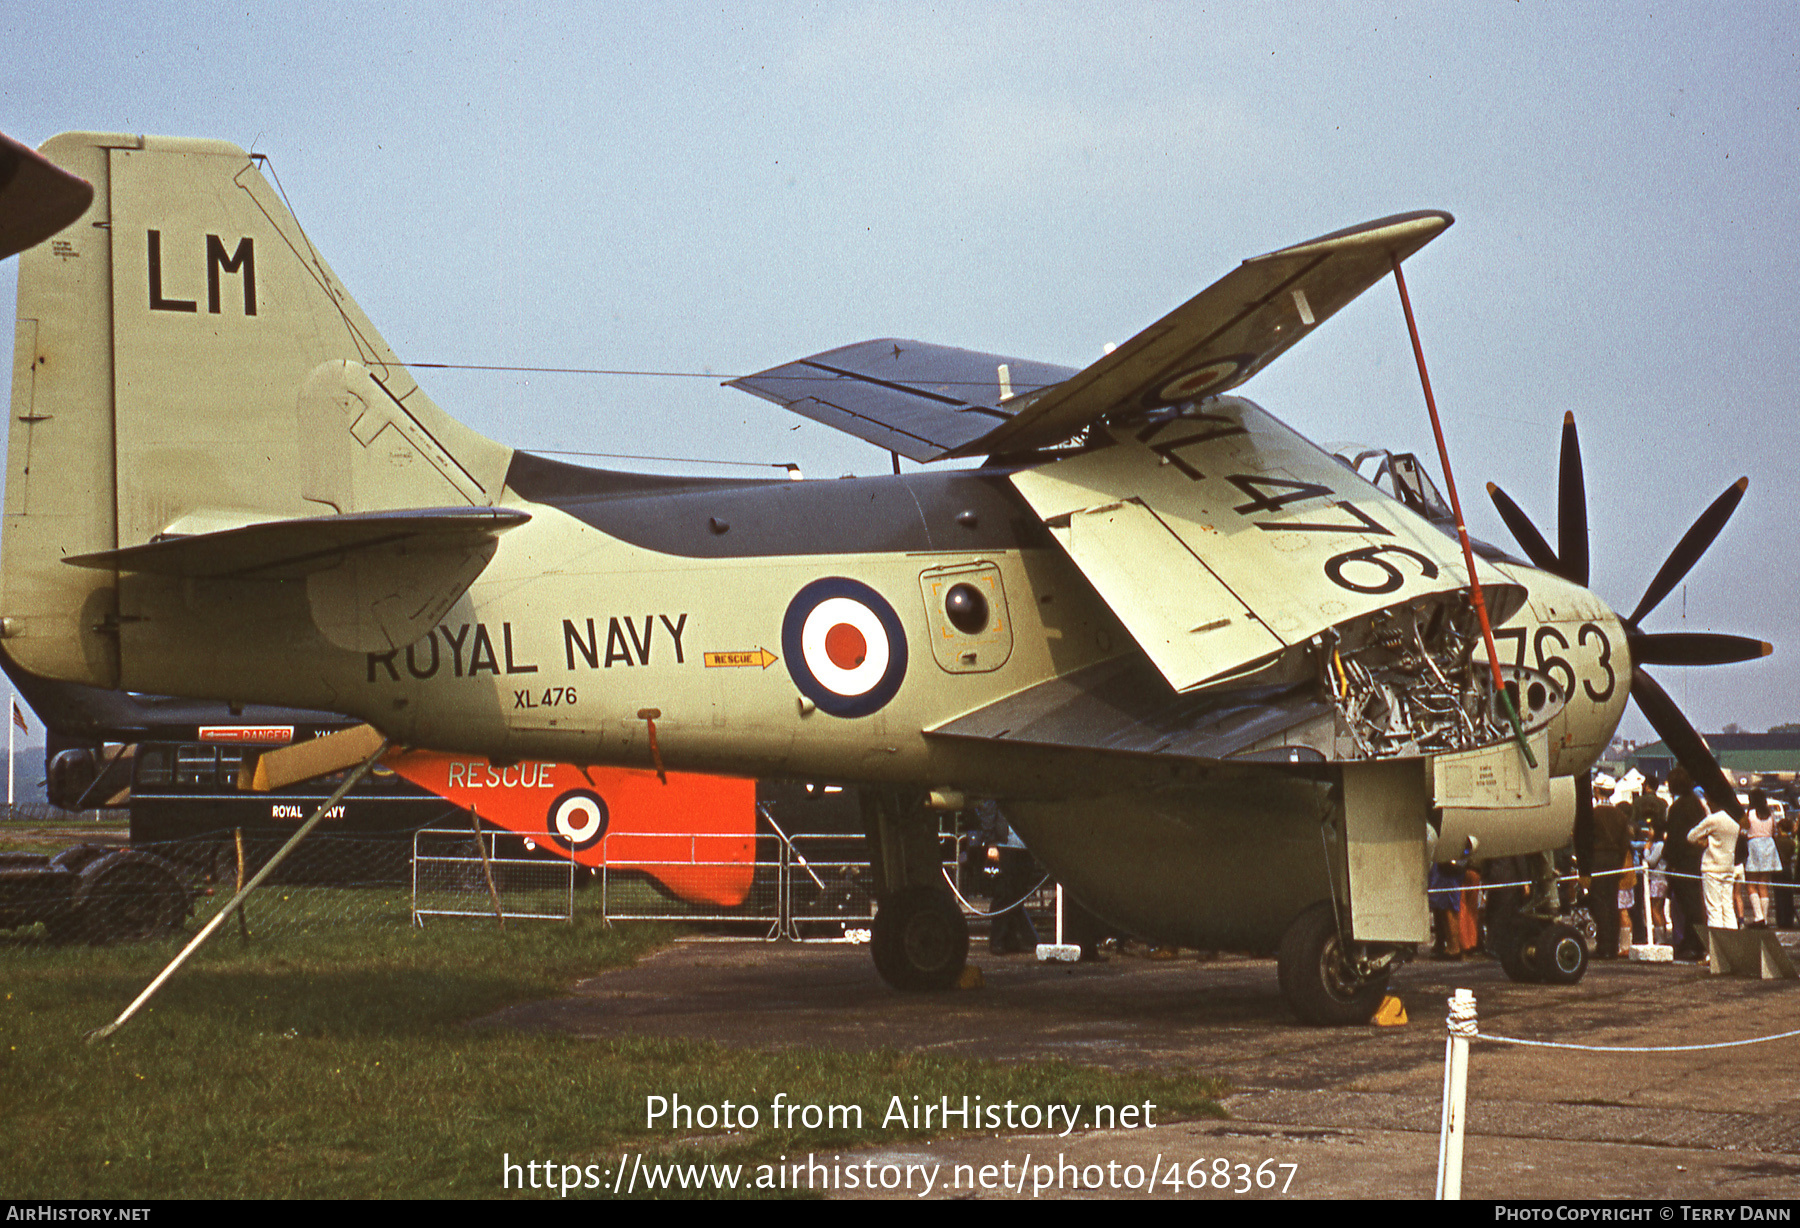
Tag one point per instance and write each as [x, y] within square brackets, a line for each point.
[1702, 869]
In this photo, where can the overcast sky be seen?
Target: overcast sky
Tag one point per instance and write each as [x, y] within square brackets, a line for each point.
[691, 188]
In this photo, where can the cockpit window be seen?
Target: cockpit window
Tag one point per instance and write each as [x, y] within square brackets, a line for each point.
[1400, 475]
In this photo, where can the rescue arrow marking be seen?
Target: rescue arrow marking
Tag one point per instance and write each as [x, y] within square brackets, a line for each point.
[727, 660]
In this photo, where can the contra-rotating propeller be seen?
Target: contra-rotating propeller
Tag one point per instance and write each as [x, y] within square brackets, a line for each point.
[1570, 561]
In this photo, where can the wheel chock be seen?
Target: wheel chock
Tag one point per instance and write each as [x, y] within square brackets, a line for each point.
[1390, 1014]
[969, 978]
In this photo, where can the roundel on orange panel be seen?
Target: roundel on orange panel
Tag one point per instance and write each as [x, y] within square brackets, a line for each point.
[577, 820]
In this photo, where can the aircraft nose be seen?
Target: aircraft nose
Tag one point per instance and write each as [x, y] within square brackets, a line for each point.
[1640, 647]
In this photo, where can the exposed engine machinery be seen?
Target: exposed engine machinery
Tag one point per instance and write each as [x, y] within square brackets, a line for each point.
[1412, 685]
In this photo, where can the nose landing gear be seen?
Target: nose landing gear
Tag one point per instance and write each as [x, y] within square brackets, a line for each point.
[1553, 954]
[1532, 944]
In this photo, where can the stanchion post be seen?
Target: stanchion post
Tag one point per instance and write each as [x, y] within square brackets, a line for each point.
[232, 905]
[1461, 1025]
[487, 868]
[237, 836]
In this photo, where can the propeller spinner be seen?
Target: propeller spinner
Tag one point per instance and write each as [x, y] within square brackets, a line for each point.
[1570, 561]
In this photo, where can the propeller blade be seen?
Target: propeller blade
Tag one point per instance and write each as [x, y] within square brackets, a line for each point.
[1571, 508]
[1524, 532]
[1694, 648]
[1681, 737]
[1688, 550]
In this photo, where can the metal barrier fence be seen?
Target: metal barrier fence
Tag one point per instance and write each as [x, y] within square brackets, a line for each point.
[802, 886]
[688, 876]
[808, 886]
[829, 894]
[459, 873]
[766, 884]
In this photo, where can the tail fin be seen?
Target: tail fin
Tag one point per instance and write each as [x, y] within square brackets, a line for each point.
[185, 362]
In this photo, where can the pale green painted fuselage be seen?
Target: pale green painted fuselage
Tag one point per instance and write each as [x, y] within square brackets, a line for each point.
[186, 365]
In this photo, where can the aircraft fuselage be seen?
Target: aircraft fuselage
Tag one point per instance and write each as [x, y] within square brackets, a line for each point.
[680, 599]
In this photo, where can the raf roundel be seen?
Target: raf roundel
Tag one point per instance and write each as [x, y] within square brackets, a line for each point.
[844, 646]
[577, 820]
[1202, 380]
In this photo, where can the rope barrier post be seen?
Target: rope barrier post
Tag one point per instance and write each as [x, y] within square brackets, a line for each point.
[1650, 950]
[1461, 1025]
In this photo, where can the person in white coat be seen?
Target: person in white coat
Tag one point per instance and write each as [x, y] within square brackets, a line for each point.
[1717, 833]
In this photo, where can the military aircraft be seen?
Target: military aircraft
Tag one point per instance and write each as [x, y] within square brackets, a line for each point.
[1231, 693]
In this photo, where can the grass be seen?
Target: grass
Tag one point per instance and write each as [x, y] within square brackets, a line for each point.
[25, 836]
[342, 1063]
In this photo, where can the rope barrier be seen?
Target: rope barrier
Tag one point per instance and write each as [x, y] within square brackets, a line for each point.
[1461, 1026]
[1601, 874]
[1574, 878]
[1557, 1044]
[998, 912]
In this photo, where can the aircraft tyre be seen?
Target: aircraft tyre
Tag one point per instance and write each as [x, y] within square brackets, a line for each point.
[921, 941]
[1518, 956]
[1320, 982]
[1561, 957]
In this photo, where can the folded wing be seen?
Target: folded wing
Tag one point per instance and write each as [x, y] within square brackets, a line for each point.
[1223, 335]
[927, 402]
[922, 401]
[1222, 539]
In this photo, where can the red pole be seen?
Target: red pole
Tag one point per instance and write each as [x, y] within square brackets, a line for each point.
[1462, 530]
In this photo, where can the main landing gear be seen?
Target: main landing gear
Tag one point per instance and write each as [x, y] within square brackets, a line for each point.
[920, 939]
[1328, 979]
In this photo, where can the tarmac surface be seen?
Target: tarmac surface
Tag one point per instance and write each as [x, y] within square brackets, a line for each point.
[1354, 1111]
